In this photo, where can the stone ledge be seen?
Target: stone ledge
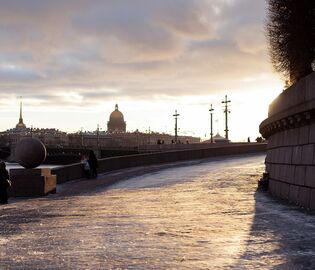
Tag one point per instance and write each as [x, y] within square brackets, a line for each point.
[32, 182]
[294, 107]
[290, 119]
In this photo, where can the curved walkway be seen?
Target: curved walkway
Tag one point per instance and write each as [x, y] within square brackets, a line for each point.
[203, 215]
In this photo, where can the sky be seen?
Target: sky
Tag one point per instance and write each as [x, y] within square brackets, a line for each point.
[73, 60]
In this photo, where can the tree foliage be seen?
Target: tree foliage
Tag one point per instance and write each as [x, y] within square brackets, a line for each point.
[291, 34]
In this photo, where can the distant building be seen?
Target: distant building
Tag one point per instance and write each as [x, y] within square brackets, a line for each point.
[219, 139]
[116, 123]
[115, 136]
[127, 139]
[20, 124]
[49, 136]
[12, 136]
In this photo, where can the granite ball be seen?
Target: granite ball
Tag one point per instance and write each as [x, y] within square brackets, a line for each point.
[30, 153]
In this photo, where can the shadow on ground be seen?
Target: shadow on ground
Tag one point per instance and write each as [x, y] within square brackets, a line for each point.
[282, 236]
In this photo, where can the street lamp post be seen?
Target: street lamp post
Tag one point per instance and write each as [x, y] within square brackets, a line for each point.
[226, 112]
[211, 125]
[82, 143]
[149, 136]
[176, 117]
[98, 136]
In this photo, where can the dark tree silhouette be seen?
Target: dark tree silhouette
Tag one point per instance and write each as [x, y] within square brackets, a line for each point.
[291, 34]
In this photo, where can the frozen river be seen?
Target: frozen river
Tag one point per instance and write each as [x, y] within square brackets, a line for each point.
[201, 216]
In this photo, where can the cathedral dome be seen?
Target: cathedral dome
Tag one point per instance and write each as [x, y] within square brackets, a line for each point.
[116, 115]
[116, 122]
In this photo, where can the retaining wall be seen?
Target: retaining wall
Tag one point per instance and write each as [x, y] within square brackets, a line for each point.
[290, 130]
[75, 171]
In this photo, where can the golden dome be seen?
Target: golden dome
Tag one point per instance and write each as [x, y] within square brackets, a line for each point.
[20, 125]
[116, 115]
[116, 123]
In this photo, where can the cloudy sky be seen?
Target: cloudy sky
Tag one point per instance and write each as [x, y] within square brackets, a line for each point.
[72, 60]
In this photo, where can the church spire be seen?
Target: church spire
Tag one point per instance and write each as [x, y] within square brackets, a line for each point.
[20, 124]
[21, 118]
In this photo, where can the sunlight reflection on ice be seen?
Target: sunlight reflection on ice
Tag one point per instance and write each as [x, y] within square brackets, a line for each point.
[202, 216]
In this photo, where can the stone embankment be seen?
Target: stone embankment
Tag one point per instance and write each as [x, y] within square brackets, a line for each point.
[290, 130]
[75, 171]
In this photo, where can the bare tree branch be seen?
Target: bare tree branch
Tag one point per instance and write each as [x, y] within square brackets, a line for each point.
[291, 33]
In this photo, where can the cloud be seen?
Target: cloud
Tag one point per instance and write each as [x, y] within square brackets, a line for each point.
[107, 49]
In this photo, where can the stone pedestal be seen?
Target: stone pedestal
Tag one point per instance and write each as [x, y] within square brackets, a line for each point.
[32, 182]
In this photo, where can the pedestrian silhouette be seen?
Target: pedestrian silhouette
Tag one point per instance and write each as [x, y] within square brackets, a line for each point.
[93, 164]
[4, 183]
[86, 166]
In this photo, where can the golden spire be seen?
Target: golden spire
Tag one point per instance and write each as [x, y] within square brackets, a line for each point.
[20, 124]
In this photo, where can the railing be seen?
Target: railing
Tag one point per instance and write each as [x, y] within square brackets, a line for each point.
[75, 171]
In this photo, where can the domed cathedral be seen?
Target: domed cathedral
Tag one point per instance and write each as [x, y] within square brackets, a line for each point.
[116, 123]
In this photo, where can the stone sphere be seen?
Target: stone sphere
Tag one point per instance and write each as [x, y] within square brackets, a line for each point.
[30, 152]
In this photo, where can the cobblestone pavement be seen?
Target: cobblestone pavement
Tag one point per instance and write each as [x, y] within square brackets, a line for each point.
[204, 215]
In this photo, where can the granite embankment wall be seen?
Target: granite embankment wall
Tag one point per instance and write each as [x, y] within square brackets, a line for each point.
[290, 130]
[75, 171]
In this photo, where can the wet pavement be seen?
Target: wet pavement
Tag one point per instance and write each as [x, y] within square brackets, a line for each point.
[204, 215]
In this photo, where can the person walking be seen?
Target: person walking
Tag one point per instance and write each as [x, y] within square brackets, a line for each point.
[4, 183]
[86, 166]
[93, 164]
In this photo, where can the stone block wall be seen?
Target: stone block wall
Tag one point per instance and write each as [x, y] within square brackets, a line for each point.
[32, 182]
[75, 171]
[290, 130]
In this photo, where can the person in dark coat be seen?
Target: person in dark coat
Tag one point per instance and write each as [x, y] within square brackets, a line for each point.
[93, 164]
[4, 176]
